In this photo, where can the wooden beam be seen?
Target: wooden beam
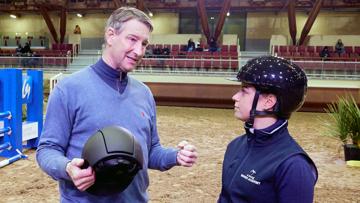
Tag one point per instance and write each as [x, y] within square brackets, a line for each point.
[310, 21]
[140, 5]
[204, 19]
[292, 20]
[225, 8]
[62, 25]
[48, 22]
[117, 4]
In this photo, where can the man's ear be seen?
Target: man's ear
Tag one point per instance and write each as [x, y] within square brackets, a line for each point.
[109, 35]
[270, 101]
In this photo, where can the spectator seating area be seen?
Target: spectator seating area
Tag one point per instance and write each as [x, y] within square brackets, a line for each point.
[226, 59]
[59, 55]
[308, 57]
[352, 53]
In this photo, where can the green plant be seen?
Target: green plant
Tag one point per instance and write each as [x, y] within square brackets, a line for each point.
[345, 114]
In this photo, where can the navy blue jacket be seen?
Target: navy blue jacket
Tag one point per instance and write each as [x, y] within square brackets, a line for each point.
[267, 166]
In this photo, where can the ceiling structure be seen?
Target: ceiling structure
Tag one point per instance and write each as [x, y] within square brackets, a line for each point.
[169, 5]
[44, 7]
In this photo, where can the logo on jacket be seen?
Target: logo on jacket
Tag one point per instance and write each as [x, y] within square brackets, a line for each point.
[251, 177]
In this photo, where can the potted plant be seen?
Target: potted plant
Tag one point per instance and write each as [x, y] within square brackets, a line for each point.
[345, 114]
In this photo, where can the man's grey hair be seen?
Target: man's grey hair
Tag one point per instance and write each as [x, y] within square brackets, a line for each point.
[124, 14]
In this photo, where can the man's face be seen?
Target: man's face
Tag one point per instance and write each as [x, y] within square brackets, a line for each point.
[127, 46]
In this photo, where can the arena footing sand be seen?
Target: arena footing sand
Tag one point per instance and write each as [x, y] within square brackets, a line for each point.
[210, 130]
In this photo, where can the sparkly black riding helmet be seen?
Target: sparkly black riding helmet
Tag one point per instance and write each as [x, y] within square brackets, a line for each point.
[269, 74]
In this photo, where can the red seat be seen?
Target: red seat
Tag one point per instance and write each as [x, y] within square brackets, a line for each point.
[292, 49]
[349, 49]
[283, 49]
[207, 61]
[63, 46]
[159, 45]
[234, 63]
[180, 63]
[170, 63]
[225, 48]
[216, 62]
[319, 49]
[175, 48]
[56, 46]
[233, 48]
[357, 50]
[301, 49]
[225, 62]
[310, 49]
[189, 63]
[197, 62]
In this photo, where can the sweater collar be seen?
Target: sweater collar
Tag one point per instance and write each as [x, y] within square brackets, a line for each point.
[104, 70]
[115, 79]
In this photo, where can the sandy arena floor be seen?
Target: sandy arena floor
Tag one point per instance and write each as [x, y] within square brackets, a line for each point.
[210, 130]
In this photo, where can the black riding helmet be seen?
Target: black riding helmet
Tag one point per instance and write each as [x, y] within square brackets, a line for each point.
[115, 156]
[284, 79]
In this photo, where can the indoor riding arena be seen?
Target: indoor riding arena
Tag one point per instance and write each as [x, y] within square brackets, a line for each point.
[193, 89]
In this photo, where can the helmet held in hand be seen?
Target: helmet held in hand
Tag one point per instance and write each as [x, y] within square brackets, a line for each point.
[115, 156]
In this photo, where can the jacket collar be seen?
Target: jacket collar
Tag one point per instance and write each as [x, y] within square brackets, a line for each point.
[262, 136]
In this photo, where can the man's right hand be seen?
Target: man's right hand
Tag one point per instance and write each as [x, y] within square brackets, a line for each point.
[82, 178]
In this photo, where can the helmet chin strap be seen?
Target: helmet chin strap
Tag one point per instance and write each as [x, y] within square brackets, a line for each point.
[253, 112]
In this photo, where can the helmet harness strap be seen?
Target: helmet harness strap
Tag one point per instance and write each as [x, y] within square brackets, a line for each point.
[254, 112]
[250, 122]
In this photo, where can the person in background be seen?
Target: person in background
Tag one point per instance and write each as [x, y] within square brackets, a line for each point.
[157, 50]
[266, 164]
[18, 50]
[325, 53]
[339, 47]
[198, 47]
[213, 45]
[74, 114]
[166, 52]
[26, 50]
[77, 30]
[148, 52]
[190, 45]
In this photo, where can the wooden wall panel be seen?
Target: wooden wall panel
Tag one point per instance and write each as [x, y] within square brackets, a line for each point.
[219, 96]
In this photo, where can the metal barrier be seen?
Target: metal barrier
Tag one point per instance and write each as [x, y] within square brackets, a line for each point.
[16, 90]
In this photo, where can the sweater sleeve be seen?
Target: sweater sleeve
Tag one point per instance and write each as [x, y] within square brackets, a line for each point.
[55, 136]
[295, 180]
[160, 158]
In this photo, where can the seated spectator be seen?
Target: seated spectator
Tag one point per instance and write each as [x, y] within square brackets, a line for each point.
[213, 45]
[77, 30]
[339, 47]
[157, 51]
[199, 48]
[148, 52]
[26, 50]
[325, 53]
[166, 51]
[191, 45]
[18, 50]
